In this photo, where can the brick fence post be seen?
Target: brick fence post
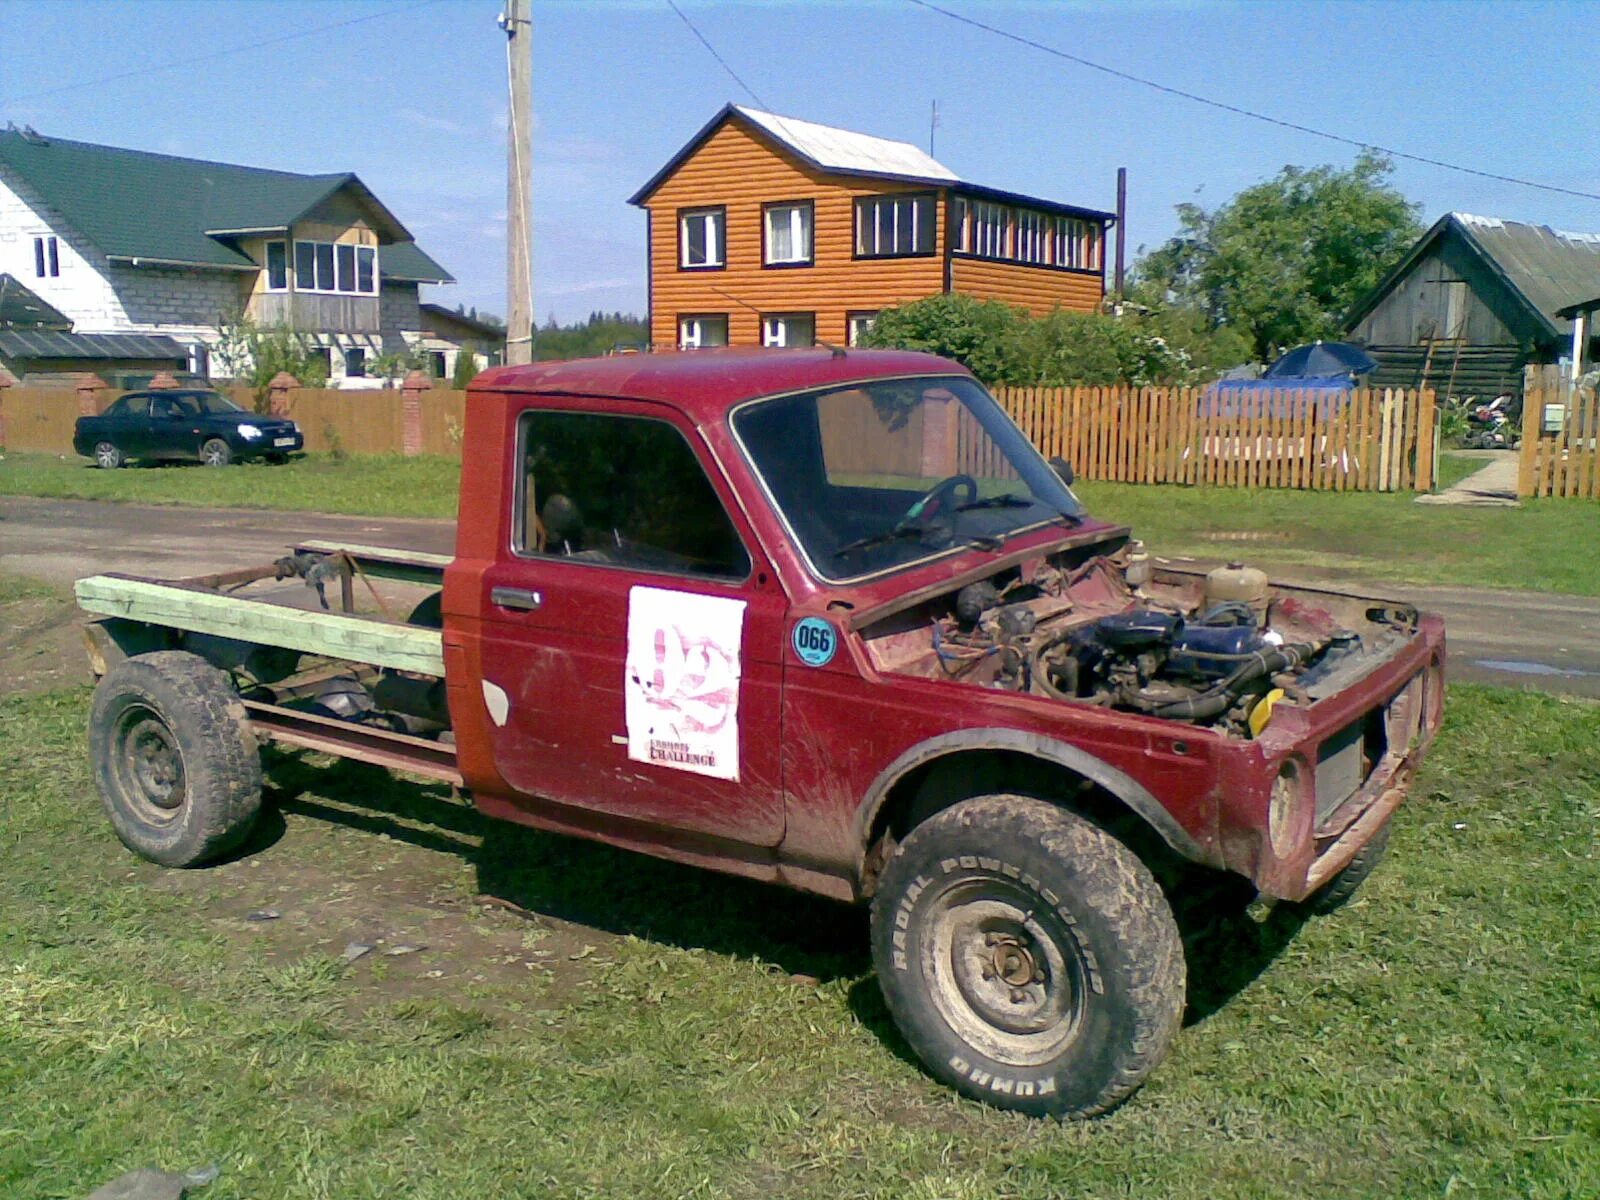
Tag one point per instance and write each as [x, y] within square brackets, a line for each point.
[163, 381]
[7, 379]
[89, 386]
[278, 389]
[411, 390]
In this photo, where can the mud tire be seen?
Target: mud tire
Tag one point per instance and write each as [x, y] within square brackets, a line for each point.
[1337, 892]
[176, 763]
[1009, 882]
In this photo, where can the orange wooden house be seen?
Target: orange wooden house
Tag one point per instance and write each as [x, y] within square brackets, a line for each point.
[767, 230]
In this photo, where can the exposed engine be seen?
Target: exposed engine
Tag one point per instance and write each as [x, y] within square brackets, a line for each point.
[1214, 650]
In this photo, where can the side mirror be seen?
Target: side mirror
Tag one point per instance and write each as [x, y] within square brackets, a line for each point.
[1063, 469]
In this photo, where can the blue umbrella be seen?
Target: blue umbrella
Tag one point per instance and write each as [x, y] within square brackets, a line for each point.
[1321, 360]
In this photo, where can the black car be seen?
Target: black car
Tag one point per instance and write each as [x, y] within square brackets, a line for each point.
[187, 423]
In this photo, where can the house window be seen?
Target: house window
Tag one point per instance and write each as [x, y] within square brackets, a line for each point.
[436, 364]
[787, 229]
[700, 237]
[323, 356]
[355, 363]
[277, 266]
[333, 267]
[200, 360]
[46, 257]
[990, 223]
[857, 324]
[1032, 244]
[894, 226]
[702, 331]
[788, 329]
[1077, 244]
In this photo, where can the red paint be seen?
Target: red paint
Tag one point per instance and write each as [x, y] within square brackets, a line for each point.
[817, 744]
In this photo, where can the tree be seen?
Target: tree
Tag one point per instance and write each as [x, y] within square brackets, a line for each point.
[253, 354]
[1283, 261]
[600, 334]
[466, 369]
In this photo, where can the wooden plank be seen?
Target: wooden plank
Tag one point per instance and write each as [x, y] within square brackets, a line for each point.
[1527, 461]
[359, 639]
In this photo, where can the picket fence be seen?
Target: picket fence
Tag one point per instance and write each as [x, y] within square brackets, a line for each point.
[1564, 461]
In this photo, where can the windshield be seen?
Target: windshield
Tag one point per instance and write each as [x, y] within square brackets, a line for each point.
[882, 474]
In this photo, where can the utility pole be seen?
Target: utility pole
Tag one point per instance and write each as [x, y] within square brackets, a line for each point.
[519, 171]
[933, 123]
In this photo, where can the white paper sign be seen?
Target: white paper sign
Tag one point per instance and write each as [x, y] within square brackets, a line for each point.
[681, 681]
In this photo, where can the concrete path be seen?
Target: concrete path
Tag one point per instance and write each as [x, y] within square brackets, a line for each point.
[1549, 642]
[1493, 484]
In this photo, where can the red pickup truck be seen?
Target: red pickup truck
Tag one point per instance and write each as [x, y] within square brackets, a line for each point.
[823, 618]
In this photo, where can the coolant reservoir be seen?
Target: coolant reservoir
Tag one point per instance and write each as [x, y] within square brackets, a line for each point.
[1237, 582]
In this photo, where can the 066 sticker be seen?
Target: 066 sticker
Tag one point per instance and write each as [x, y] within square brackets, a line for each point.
[815, 641]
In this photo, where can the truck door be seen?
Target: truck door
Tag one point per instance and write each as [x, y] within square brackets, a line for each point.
[632, 638]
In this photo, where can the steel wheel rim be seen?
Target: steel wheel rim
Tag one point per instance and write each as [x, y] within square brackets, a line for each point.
[107, 455]
[149, 765]
[213, 454]
[1006, 975]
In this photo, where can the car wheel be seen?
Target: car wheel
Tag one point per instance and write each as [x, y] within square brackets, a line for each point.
[276, 458]
[216, 453]
[107, 456]
[174, 758]
[1337, 891]
[1029, 957]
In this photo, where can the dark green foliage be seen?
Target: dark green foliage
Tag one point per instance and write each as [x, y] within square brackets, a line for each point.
[1001, 344]
[1283, 261]
[466, 370]
[600, 334]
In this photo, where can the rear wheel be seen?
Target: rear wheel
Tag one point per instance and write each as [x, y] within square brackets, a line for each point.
[174, 758]
[107, 456]
[216, 453]
[1028, 956]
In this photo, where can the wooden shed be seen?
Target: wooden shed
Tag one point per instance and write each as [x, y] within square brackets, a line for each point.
[1475, 301]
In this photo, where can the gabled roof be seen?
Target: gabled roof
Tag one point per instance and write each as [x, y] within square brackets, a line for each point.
[485, 329]
[184, 211]
[1544, 269]
[21, 309]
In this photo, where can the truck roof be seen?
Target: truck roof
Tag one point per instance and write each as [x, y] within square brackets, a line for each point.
[706, 383]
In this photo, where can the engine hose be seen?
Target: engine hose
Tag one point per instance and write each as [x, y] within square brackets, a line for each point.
[1218, 699]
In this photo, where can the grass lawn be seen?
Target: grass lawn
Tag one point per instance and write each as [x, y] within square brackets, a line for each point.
[650, 1030]
[1454, 467]
[368, 485]
[1547, 545]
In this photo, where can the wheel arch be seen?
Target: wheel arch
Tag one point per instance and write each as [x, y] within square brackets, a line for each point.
[944, 770]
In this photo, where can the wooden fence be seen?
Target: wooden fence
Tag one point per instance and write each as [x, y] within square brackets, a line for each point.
[1327, 441]
[1564, 461]
[1373, 441]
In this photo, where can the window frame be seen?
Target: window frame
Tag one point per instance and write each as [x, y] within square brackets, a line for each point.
[786, 316]
[46, 256]
[719, 488]
[362, 362]
[706, 211]
[931, 198]
[809, 223]
[1027, 236]
[869, 315]
[684, 318]
[315, 248]
[287, 264]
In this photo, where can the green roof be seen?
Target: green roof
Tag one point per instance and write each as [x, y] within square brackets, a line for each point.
[133, 204]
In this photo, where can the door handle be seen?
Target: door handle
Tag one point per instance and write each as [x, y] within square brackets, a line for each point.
[520, 599]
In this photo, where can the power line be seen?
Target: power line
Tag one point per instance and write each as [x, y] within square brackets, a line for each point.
[712, 50]
[1245, 112]
[216, 54]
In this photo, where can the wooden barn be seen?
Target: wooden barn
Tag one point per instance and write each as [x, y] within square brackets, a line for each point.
[767, 230]
[1475, 301]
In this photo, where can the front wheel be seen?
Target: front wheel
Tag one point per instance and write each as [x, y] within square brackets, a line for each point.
[216, 453]
[175, 760]
[1028, 956]
[107, 457]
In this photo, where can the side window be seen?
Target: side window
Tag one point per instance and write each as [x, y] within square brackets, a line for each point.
[624, 491]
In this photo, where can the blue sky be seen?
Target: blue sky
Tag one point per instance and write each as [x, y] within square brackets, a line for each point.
[414, 102]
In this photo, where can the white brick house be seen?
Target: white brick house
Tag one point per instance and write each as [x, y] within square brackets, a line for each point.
[127, 242]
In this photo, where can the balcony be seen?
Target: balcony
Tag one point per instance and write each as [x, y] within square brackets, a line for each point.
[309, 312]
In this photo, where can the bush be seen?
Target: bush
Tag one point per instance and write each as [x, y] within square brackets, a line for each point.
[466, 370]
[1002, 344]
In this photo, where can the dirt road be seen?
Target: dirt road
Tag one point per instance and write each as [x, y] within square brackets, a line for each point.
[1512, 638]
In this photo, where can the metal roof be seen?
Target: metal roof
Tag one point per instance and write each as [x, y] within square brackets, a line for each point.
[842, 150]
[19, 306]
[44, 343]
[131, 204]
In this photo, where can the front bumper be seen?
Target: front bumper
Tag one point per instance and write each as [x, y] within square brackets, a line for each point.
[272, 443]
[1325, 815]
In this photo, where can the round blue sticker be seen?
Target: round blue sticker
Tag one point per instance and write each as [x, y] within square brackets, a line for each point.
[815, 641]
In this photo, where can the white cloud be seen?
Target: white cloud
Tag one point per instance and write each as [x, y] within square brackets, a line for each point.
[429, 121]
